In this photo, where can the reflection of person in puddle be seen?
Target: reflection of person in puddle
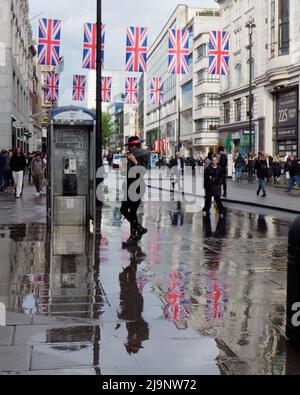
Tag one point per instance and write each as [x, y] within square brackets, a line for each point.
[220, 229]
[132, 303]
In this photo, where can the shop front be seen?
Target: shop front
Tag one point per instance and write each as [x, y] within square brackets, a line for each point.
[286, 128]
[236, 140]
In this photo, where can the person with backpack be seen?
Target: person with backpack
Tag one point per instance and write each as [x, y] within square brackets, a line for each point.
[223, 163]
[37, 168]
[261, 168]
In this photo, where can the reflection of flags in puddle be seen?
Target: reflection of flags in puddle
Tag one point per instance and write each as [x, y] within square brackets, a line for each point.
[216, 300]
[175, 310]
[141, 281]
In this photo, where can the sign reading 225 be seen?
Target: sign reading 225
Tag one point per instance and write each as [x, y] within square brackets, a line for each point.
[296, 316]
[283, 115]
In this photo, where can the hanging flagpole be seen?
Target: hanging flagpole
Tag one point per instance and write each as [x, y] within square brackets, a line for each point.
[99, 159]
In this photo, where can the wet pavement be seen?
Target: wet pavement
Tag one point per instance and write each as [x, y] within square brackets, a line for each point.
[198, 296]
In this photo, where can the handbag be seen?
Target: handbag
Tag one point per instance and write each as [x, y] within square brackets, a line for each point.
[287, 175]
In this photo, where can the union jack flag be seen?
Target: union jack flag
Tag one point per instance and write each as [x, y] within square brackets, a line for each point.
[136, 49]
[131, 90]
[49, 42]
[79, 84]
[90, 46]
[52, 87]
[106, 89]
[157, 91]
[219, 53]
[178, 51]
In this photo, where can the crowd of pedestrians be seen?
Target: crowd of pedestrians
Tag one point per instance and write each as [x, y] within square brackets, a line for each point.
[14, 166]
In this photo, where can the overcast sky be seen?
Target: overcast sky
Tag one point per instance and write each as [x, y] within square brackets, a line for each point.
[117, 15]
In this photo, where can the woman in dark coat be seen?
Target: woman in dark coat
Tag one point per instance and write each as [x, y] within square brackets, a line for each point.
[213, 181]
[262, 171]
[276, 168]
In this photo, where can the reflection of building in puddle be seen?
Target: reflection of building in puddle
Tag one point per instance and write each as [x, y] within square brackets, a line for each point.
[23, 271]
[73, 290]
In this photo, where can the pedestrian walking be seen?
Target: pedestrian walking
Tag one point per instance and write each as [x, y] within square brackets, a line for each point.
[213, 181]
[239, 167]
[276, 169]
[193, 165]
[137, 157]
[261, 168]
[29, 160]
[294, 170]
[223, 162]
[37, 169]
[177, 170]
[18, 166]
[9, 175]
[2, 170]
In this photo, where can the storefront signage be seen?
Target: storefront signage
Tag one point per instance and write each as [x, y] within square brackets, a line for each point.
[287, 105]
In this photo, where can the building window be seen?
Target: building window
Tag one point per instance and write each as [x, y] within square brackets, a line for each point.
[238, 74]
[202, 51]
[208, 100]
[207, 125]
[237, 40]
[227, 112]
[284, 27]
[273, 28]
[238, 110]
[203, 76]
[236, 8]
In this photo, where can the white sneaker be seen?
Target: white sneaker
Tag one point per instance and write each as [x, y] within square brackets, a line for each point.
[37, 194]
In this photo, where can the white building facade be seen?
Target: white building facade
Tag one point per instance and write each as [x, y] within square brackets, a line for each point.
[17, 58]
[275, 72]
[178, 117]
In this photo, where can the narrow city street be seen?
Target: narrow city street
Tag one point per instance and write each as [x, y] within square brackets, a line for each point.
[198, 296]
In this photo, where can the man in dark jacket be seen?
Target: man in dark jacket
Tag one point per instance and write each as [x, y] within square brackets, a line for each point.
[18, 166]
[213, 180]
[294, 174]
[262, 171]
[223, 163]
[138, 160]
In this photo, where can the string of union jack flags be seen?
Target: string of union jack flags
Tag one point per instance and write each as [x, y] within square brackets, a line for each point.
[49, 40]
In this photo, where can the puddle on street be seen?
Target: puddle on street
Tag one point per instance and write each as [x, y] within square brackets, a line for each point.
[198, 296]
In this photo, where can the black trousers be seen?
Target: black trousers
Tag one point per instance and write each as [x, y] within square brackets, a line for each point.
[129, 211]
[208, 202]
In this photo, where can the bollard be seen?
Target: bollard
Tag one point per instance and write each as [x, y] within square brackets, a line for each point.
[293, 285]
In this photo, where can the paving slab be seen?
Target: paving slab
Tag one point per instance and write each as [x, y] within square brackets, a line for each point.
[6, 335]
[14, 358]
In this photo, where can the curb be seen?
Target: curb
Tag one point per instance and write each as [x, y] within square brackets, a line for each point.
[228, 200]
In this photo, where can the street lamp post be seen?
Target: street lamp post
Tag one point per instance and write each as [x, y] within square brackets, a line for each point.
[251, 26]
